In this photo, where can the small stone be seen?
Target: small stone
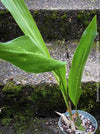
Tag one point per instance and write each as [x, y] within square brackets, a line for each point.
[90, 126]
[18, 83]
[11, 78]
[24, 82]
[5, 81]
[36, 129]
[47, 123]
[56, 123]
[82, 117]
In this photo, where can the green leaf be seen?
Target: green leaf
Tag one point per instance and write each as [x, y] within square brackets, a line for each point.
[61, 78]
[78, 121]
[24, 54]
[81, 128]
[60, 75]
[22, 16]
[79, 60]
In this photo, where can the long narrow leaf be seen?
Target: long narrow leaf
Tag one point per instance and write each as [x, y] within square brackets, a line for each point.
[79, 60]
[22, 53]
[22, 16]
[34, 54]
[60, 75]
[61, 78]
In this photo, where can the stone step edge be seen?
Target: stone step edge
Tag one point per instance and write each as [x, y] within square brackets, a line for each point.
[65, 4]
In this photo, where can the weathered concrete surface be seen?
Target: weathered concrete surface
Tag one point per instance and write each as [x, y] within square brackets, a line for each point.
[62, 4]
[91, 72]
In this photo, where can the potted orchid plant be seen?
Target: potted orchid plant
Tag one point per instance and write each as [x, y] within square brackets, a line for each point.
[30, 54]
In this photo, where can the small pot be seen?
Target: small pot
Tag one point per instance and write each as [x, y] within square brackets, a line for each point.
[85, 114]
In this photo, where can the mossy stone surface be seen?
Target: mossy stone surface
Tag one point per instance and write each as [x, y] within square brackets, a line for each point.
[43, 99]
[53, 24]
[22, 112]
[11, 87]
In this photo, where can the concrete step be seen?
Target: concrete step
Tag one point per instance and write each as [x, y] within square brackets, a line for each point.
[62, 5]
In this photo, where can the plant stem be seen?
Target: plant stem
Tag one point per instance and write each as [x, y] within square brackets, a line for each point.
[76, 107]
[66, 102]
[66, 99]
[63, 86]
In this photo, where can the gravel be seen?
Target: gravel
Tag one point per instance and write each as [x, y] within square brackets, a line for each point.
[63, 4]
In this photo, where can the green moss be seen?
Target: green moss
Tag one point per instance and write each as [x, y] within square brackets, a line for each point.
[63, 17]
[86, 23]
[53, 25]
[84, 17]
[40, 100]
[22, 120]
[80, 17]
[88, 98]
[2, 12]
[42, 95]
[35, 13]
[11, 87]
[54, 15]
[6, 121]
